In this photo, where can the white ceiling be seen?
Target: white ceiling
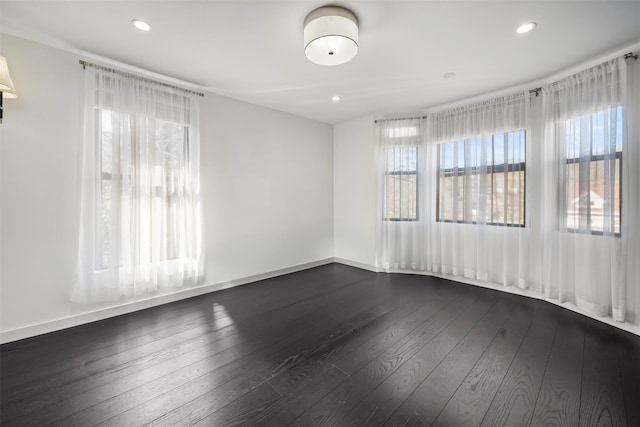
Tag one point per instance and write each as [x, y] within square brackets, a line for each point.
[252, 50]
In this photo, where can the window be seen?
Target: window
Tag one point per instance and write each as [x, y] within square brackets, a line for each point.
[482, 180]
[593, 172]
[140, 216]
[162, 185]
[401, 184]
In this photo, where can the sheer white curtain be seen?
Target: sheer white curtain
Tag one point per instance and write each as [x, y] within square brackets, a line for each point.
[591, 191]
[538, 192]
[140, 227]
[400, 210]
[476, 182]
[452, 192]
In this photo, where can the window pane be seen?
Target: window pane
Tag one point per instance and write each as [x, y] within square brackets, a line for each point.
[105, 223]
[519, 197]
[446, 155]
[402, 132]
[459, 154]
[458, 201]
[594, 205]
[400, 196]
[446, 198]
[498, 150]
[401, 183]
[498, 197]
[573, 199]
[399, 159]
[572, 136]
[515, 198]
[592, 174]
[106, 140]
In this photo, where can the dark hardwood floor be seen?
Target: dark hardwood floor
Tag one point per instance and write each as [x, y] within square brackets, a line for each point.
[330, 346]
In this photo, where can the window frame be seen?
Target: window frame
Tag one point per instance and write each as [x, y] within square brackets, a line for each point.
[414, 172]
[504, 168]
[617, 155]
[612, 156]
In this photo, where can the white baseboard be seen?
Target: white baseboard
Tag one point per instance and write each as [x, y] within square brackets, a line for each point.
[531, 293]
[129, 307]
[356, 264]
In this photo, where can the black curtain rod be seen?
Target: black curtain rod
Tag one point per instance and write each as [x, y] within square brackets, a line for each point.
[401, 118]
[86, 64]
[536, 90]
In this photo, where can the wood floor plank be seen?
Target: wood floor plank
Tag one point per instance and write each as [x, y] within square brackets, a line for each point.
[514, 403]
[628, 347]
[413, 327]
[332, 345]
[288, 380]
[238, 411]
[375, 408]
[558, 401]
[299, 399]
[365, 347]
[119, 365]
[332, 408]
[121, 384]
[142, 324]
[432, 395]
[143, 327]
[204, 395]
[471, 400]
[198, 366]
[108, 368]
[303, 385]
[201, 398]
[601, 400]
[297, 385]
[100, 379]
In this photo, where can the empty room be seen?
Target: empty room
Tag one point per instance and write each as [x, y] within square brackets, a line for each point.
[312, 213]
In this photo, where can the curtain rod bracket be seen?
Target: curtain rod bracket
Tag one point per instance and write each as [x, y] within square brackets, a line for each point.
[631, 55]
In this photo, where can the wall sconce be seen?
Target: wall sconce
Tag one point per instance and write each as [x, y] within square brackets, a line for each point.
[7, 90]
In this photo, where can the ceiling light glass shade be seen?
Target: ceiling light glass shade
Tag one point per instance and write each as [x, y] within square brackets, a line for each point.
[6, 84]
[330, 35]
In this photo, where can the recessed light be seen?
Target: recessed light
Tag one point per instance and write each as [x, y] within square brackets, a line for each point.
[525, 28]
[141, 25]
[449, 75]
[335, 98]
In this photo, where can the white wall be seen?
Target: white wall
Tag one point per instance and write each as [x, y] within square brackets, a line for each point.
[267, 181]
[354, 191]
[267, 185]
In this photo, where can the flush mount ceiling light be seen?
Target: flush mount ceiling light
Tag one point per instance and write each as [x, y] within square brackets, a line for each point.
[141, 25]
[525, 28]
[330, 35]
[335, 98]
